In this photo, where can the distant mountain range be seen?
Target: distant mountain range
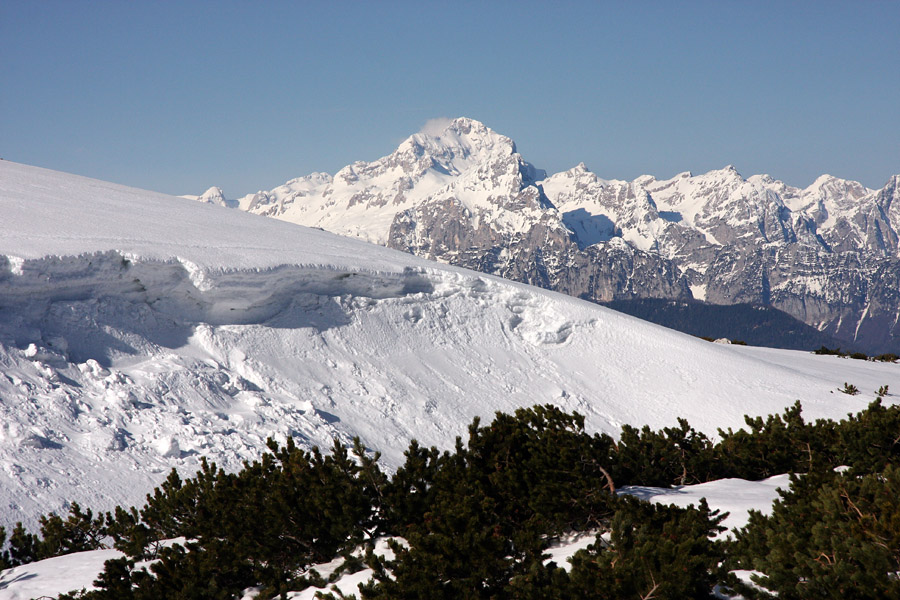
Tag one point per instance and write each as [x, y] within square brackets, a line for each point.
[740, 323]
[827, 255]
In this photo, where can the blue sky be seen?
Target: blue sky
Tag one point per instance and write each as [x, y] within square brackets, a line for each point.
[178, 96]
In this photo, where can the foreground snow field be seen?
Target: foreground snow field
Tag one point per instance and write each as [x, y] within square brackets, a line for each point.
[139, 332]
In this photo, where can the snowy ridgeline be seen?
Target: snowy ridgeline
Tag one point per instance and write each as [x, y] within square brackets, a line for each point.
[55, 576]
[141, 332]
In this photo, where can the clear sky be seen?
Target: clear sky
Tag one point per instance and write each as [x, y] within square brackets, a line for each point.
[179, 96]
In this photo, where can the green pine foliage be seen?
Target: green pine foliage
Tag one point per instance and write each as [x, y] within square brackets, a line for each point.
[674, 456]
[80, 531]
[887, 357]
[654, 551]
[870, 441]
[478, 519]
[831, 536]
[849, 389]
[494, 505]
[260, 527]
[778, 444]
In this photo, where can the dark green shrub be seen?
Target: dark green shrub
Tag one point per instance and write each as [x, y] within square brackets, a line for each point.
[829, 352]
[834, 536]
[779, 444]
[849, 389]
[654, 551]
[673, 456]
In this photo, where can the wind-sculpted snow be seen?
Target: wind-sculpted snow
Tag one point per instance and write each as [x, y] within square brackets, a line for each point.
[180, 290]
[157, 331]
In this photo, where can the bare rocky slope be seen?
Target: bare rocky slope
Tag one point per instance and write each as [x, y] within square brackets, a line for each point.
[826, 254]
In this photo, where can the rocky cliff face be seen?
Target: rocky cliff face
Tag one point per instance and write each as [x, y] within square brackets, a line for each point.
[826, 254]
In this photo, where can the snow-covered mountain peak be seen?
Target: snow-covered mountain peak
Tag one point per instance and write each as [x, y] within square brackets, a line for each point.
[892, 186]
[214, 195]
[764, 179]
[580, 176]
[827, 199]
[466, 132]
[821, 181]
[462, 139]
[317, 178]
[888, 200]
[599, 210]
[828, 187]
[727, 174]
[211, 194]
[460, 161]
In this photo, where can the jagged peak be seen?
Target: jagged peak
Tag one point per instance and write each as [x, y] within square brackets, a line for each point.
[457, 134]
[314, 177]
[578, 170]
[213, 195]
[467, 125]
[823, 179]
[726, 173]
[582, 175]
[763, 178]
[891, 190]
[728, 170]
[213, 192]
[828, 186]
[892, 182]
[818, 186]
[826, 179]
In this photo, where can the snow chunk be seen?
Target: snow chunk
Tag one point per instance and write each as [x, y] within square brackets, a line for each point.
[699, 291]
[16, 265]
[168, 446]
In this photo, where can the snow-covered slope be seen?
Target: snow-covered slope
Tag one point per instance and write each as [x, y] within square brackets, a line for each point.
[140, 332]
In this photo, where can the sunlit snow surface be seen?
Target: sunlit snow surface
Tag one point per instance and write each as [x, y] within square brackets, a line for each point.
[140, 332]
